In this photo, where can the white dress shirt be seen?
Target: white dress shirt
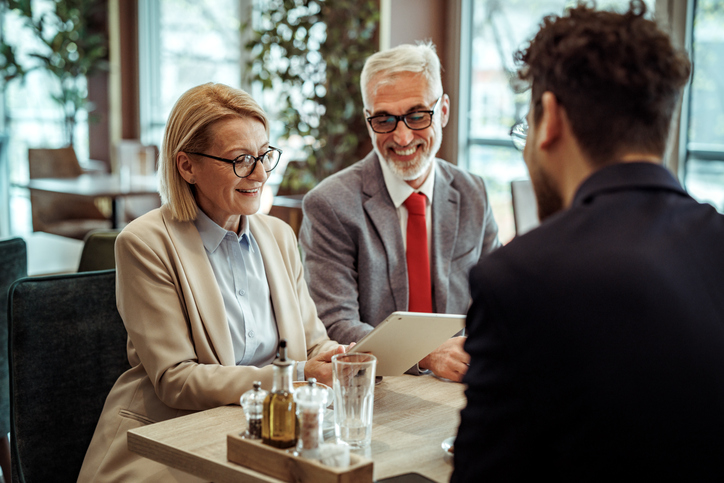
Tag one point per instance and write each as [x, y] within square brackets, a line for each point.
[399, 191]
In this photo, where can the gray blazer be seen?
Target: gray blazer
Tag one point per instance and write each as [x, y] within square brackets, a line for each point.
[353, 253]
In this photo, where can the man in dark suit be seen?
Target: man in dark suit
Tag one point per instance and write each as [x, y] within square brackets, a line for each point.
[597, 339]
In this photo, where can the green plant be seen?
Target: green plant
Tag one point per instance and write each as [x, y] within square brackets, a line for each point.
[73, 45]
[311, 54]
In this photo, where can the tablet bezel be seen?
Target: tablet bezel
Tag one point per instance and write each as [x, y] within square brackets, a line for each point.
[404, 338]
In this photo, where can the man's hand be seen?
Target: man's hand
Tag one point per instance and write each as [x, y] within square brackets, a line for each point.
[449, 360]
[320, 366]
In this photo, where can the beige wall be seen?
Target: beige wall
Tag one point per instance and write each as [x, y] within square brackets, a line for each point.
[408, 21]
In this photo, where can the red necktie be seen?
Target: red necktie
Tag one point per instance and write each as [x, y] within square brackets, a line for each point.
[418, 260]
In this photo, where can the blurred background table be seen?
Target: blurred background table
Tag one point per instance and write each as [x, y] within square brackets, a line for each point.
[412, 417]
[99, 185]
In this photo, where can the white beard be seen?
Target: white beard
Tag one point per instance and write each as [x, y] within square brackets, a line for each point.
[412, 170]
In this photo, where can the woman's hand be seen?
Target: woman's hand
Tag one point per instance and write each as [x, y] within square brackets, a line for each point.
[320, 366]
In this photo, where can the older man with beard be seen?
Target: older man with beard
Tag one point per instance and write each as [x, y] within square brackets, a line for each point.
[400, 229]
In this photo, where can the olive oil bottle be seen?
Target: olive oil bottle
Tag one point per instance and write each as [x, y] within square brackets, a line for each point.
[279, 423]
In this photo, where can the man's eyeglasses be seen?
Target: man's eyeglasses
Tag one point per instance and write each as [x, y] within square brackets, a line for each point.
[519, 133]
[416, 120]
[245, 164]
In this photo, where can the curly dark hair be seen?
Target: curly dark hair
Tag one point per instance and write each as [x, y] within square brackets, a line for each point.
[617, 76]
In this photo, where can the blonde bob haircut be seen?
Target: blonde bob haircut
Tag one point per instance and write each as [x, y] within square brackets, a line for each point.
[189, 130]
[382, 68]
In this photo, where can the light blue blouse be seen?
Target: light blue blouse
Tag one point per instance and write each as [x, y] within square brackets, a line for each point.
[239, 270]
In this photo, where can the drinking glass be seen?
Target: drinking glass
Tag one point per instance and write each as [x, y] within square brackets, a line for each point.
[354, 397]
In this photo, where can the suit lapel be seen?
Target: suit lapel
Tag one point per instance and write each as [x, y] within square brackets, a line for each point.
[445, 221]
[202, 283]
[379, 207]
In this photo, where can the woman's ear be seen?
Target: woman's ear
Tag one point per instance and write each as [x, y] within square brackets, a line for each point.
[185, 167]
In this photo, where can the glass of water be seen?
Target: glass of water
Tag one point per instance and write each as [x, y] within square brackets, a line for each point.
[354, 397]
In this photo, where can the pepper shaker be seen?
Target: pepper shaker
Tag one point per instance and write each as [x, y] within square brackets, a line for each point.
[253, 403]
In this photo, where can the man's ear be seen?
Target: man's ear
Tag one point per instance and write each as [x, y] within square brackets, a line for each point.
[445, 110]
[551, 121]
[185, 167]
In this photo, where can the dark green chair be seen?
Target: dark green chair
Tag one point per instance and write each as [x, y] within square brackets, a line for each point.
[98, 251]
[67, 346]
[13, 265]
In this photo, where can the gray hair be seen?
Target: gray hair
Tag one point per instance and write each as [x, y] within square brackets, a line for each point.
[382, 67]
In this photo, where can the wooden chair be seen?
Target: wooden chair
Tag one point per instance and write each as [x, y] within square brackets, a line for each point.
[98, 251]
[61, 214]
[67, 348]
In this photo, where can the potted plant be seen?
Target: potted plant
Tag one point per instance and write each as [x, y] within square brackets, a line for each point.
[73, 43]
[311, 54]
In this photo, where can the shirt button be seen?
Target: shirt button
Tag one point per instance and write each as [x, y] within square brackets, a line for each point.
[251, 334]
[242, 292]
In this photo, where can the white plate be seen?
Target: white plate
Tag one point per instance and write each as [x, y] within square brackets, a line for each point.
[447, 445]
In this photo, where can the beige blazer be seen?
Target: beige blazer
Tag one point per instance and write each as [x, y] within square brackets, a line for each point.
[179, 344]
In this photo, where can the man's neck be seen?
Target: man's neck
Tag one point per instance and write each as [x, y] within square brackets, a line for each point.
[640, 157]
[417, 182]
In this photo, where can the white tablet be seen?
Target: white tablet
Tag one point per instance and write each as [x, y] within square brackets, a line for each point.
[404, 338]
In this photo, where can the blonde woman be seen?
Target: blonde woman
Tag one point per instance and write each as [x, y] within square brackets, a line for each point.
[205, 286]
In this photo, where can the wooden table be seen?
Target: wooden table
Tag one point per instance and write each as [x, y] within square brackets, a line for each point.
[412, 416]
[96, 186]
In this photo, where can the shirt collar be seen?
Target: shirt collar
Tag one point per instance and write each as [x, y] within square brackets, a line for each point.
[626, 176]
[212, 234]
[399, 189]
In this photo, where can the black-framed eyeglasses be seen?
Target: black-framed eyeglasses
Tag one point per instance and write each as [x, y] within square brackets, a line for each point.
[519, 134]
[416, 120]
[245, 164]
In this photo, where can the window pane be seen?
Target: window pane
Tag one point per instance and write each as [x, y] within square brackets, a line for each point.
[185, 43]
[705, 163]
[499, 29]
[707, 94]
[498, 166]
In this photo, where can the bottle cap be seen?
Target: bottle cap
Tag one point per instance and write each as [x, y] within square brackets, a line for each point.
[282, 360]
[311, 395]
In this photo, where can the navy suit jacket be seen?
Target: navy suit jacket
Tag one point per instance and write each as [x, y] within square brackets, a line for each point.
[597, 341]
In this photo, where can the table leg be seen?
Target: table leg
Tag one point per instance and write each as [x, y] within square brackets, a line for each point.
[115, 222]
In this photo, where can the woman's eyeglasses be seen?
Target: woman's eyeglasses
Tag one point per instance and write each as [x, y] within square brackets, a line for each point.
[245, 164]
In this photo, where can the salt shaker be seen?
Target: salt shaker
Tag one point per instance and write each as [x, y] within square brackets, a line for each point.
[311, 401]
[253, 403]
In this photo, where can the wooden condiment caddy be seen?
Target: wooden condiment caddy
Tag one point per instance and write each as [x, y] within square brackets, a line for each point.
[283, 465]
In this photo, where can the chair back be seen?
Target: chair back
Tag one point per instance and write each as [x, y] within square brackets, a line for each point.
[53, 163]
[525, 208]
[98, 251]
[58, 213]
[13, 265]
[67, 348]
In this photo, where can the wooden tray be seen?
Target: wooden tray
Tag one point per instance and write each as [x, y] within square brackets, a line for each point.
[285, 466]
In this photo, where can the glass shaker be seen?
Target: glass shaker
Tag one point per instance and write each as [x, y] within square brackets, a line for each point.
[311, 401]
[253, 403]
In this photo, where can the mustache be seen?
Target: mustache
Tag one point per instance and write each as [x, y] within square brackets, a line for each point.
[394, 145]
